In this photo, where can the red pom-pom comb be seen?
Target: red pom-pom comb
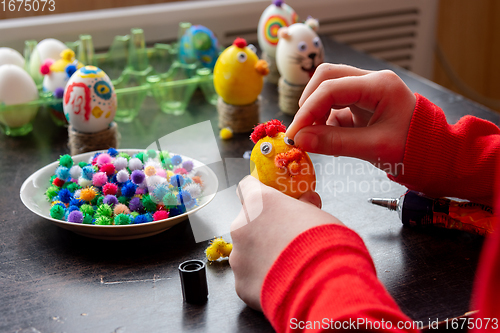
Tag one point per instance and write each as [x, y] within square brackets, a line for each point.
[240, 42]
[270, 129]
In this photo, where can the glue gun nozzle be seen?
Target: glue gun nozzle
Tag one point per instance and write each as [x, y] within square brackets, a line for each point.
[391, 204]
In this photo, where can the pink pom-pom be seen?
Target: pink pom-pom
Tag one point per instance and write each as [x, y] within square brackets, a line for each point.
[45, 69]
[109, 188]
[140, 191]
[99, 179]
[161, 173]
[121, 209]
[108, 168]
[103, 159]
[160, 215]
[181, 171]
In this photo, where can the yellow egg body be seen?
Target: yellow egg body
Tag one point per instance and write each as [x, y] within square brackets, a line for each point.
[236, 81]
[264, 169]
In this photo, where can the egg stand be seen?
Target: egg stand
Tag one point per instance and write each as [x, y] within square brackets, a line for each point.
[80, 143]
[239, 118]
[289, 95]
[274, 75]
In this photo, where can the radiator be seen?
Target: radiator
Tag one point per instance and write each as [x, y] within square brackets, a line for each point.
[398, 31]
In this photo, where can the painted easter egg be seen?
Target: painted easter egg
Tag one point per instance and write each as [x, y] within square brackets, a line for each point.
[299, 52]
[239, 74]
[274, 17]
[49, 48]
[89, 100]
[10, 56]
[17, 87]
[199, 44]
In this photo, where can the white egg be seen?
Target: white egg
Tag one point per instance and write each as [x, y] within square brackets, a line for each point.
[275, 16]
[299, 52]
[10, 56]
[49, 48]
[89, 100]
[17, 87]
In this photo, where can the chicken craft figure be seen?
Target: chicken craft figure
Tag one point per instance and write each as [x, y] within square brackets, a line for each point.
[277, 162]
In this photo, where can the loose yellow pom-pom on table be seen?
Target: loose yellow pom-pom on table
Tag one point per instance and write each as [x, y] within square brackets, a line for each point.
[218, 248]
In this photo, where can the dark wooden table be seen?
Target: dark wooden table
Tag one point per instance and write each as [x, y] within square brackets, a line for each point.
[52, 280]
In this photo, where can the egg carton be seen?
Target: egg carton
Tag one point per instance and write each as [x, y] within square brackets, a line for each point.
[135, 70]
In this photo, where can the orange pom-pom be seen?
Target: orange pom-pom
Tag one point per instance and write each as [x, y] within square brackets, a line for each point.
[88, 194]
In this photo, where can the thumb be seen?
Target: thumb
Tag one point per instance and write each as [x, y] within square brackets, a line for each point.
[359, 142]
[311, 197]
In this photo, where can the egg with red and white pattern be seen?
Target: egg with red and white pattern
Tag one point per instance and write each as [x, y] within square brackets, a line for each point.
[89, 100]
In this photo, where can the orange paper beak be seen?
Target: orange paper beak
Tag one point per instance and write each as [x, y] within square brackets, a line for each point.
[262, 67]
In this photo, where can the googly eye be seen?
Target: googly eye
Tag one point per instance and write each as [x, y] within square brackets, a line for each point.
[242, 57]
[289, 141]
[302, 46]
[266, 148]
[252, 48]
[317, 42]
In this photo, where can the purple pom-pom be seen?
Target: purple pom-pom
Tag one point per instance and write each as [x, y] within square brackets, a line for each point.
[110, 200]
[137, 177]
[188, 165]
[278, 3]
[75, 216]
[59, 92]
[135, 204]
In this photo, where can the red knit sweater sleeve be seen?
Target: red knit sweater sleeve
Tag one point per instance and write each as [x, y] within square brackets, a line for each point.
[325, 279]
[450, 160]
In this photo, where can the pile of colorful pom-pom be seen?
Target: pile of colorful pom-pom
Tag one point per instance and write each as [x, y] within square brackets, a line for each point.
[114, 188]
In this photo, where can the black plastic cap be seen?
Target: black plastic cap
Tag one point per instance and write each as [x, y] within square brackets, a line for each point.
[194, 281]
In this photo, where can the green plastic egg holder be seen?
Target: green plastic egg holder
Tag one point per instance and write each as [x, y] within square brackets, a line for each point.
[136, 71]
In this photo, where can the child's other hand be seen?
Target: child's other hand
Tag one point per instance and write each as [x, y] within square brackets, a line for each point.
[273, 225]
[347, 111]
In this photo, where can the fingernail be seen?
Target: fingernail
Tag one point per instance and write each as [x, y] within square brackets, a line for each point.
[308, 141]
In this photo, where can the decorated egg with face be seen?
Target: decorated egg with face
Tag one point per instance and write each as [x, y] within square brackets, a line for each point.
[89, 100]
[49, 48]
[199, 44]
[274, 17]
[299, 52]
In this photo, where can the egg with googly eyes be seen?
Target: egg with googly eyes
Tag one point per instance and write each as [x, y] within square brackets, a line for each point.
[89, 100]
[299, 52]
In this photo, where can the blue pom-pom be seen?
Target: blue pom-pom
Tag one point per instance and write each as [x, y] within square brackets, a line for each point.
[70, 70]
[177, 180]
[190, 204]
[141, 219]
[88, 172]
[149, 217]
[112, 152]
[72, 208]
[62, 173]
[177, 210]
[184, 197]
[76, 202]
[176, 160]
[129, 189]
[65, 195]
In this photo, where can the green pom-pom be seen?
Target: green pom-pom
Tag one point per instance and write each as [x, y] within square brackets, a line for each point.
[57, 212]
[123, 200]
[87, 219]
[72, 187]
[52, 179]
[122, 219]
[122, 154]
[140, 156]
[100, 200]
[96, 168]
[103, 220]
[148, 203]
[51, 192]
[134, 214]
[87, 210]
[152, 153]
[104, 210]
[82, 164]
[94, 201]
[66, 161]
[170, 199]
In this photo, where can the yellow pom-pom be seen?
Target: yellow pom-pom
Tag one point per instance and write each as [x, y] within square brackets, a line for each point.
[226, 133]
[170, 173]
[88, 194]
[68, 55]
[57, 202]
[226, 250]
[150, 171]
[212, 253]
[218, 244]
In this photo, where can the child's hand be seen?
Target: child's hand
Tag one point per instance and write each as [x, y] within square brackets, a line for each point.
[347, 111]
[273, 225]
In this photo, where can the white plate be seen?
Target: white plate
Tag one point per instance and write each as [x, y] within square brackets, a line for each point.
[33, 197]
